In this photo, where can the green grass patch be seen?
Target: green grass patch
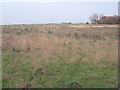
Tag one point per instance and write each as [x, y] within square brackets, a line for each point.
[50, 32]
[58, 73]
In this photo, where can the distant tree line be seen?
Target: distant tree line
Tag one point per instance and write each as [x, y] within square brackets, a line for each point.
[101, 19]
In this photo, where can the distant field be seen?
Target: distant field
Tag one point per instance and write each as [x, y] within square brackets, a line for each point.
[53, 56]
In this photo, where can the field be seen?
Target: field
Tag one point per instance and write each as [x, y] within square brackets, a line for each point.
[57, 56]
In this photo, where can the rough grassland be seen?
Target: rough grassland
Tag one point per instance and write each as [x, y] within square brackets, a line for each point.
[53, 56]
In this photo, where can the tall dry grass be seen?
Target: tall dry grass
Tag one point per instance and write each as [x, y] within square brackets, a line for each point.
[97, 43]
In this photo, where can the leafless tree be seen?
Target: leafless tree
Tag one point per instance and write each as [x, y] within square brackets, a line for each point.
[94, 18]
[100, 18]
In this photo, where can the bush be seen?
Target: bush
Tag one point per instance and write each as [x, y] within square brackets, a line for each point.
[50, 32]
[87, 22]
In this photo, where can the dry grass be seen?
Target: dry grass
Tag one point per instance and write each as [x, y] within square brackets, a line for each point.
[43, 43]
[97, 43]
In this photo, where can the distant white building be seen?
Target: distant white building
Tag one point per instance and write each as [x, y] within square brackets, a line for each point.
[66, 23]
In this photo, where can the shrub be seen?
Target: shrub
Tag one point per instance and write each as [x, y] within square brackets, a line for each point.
[19, 33]
[15, 49]
[50, 32]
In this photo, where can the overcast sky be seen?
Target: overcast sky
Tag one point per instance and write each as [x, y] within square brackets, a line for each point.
[54, 12]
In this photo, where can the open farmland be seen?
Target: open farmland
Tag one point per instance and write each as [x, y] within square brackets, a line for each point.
[53, 55]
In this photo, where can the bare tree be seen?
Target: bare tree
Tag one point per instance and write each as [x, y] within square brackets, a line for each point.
[100, 18]
[94, 18]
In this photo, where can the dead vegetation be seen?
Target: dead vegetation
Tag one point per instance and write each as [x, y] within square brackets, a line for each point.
[63, 39]
[41, 45]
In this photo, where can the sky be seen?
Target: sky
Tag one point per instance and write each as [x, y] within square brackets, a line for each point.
[59, 0]
[54, 12]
